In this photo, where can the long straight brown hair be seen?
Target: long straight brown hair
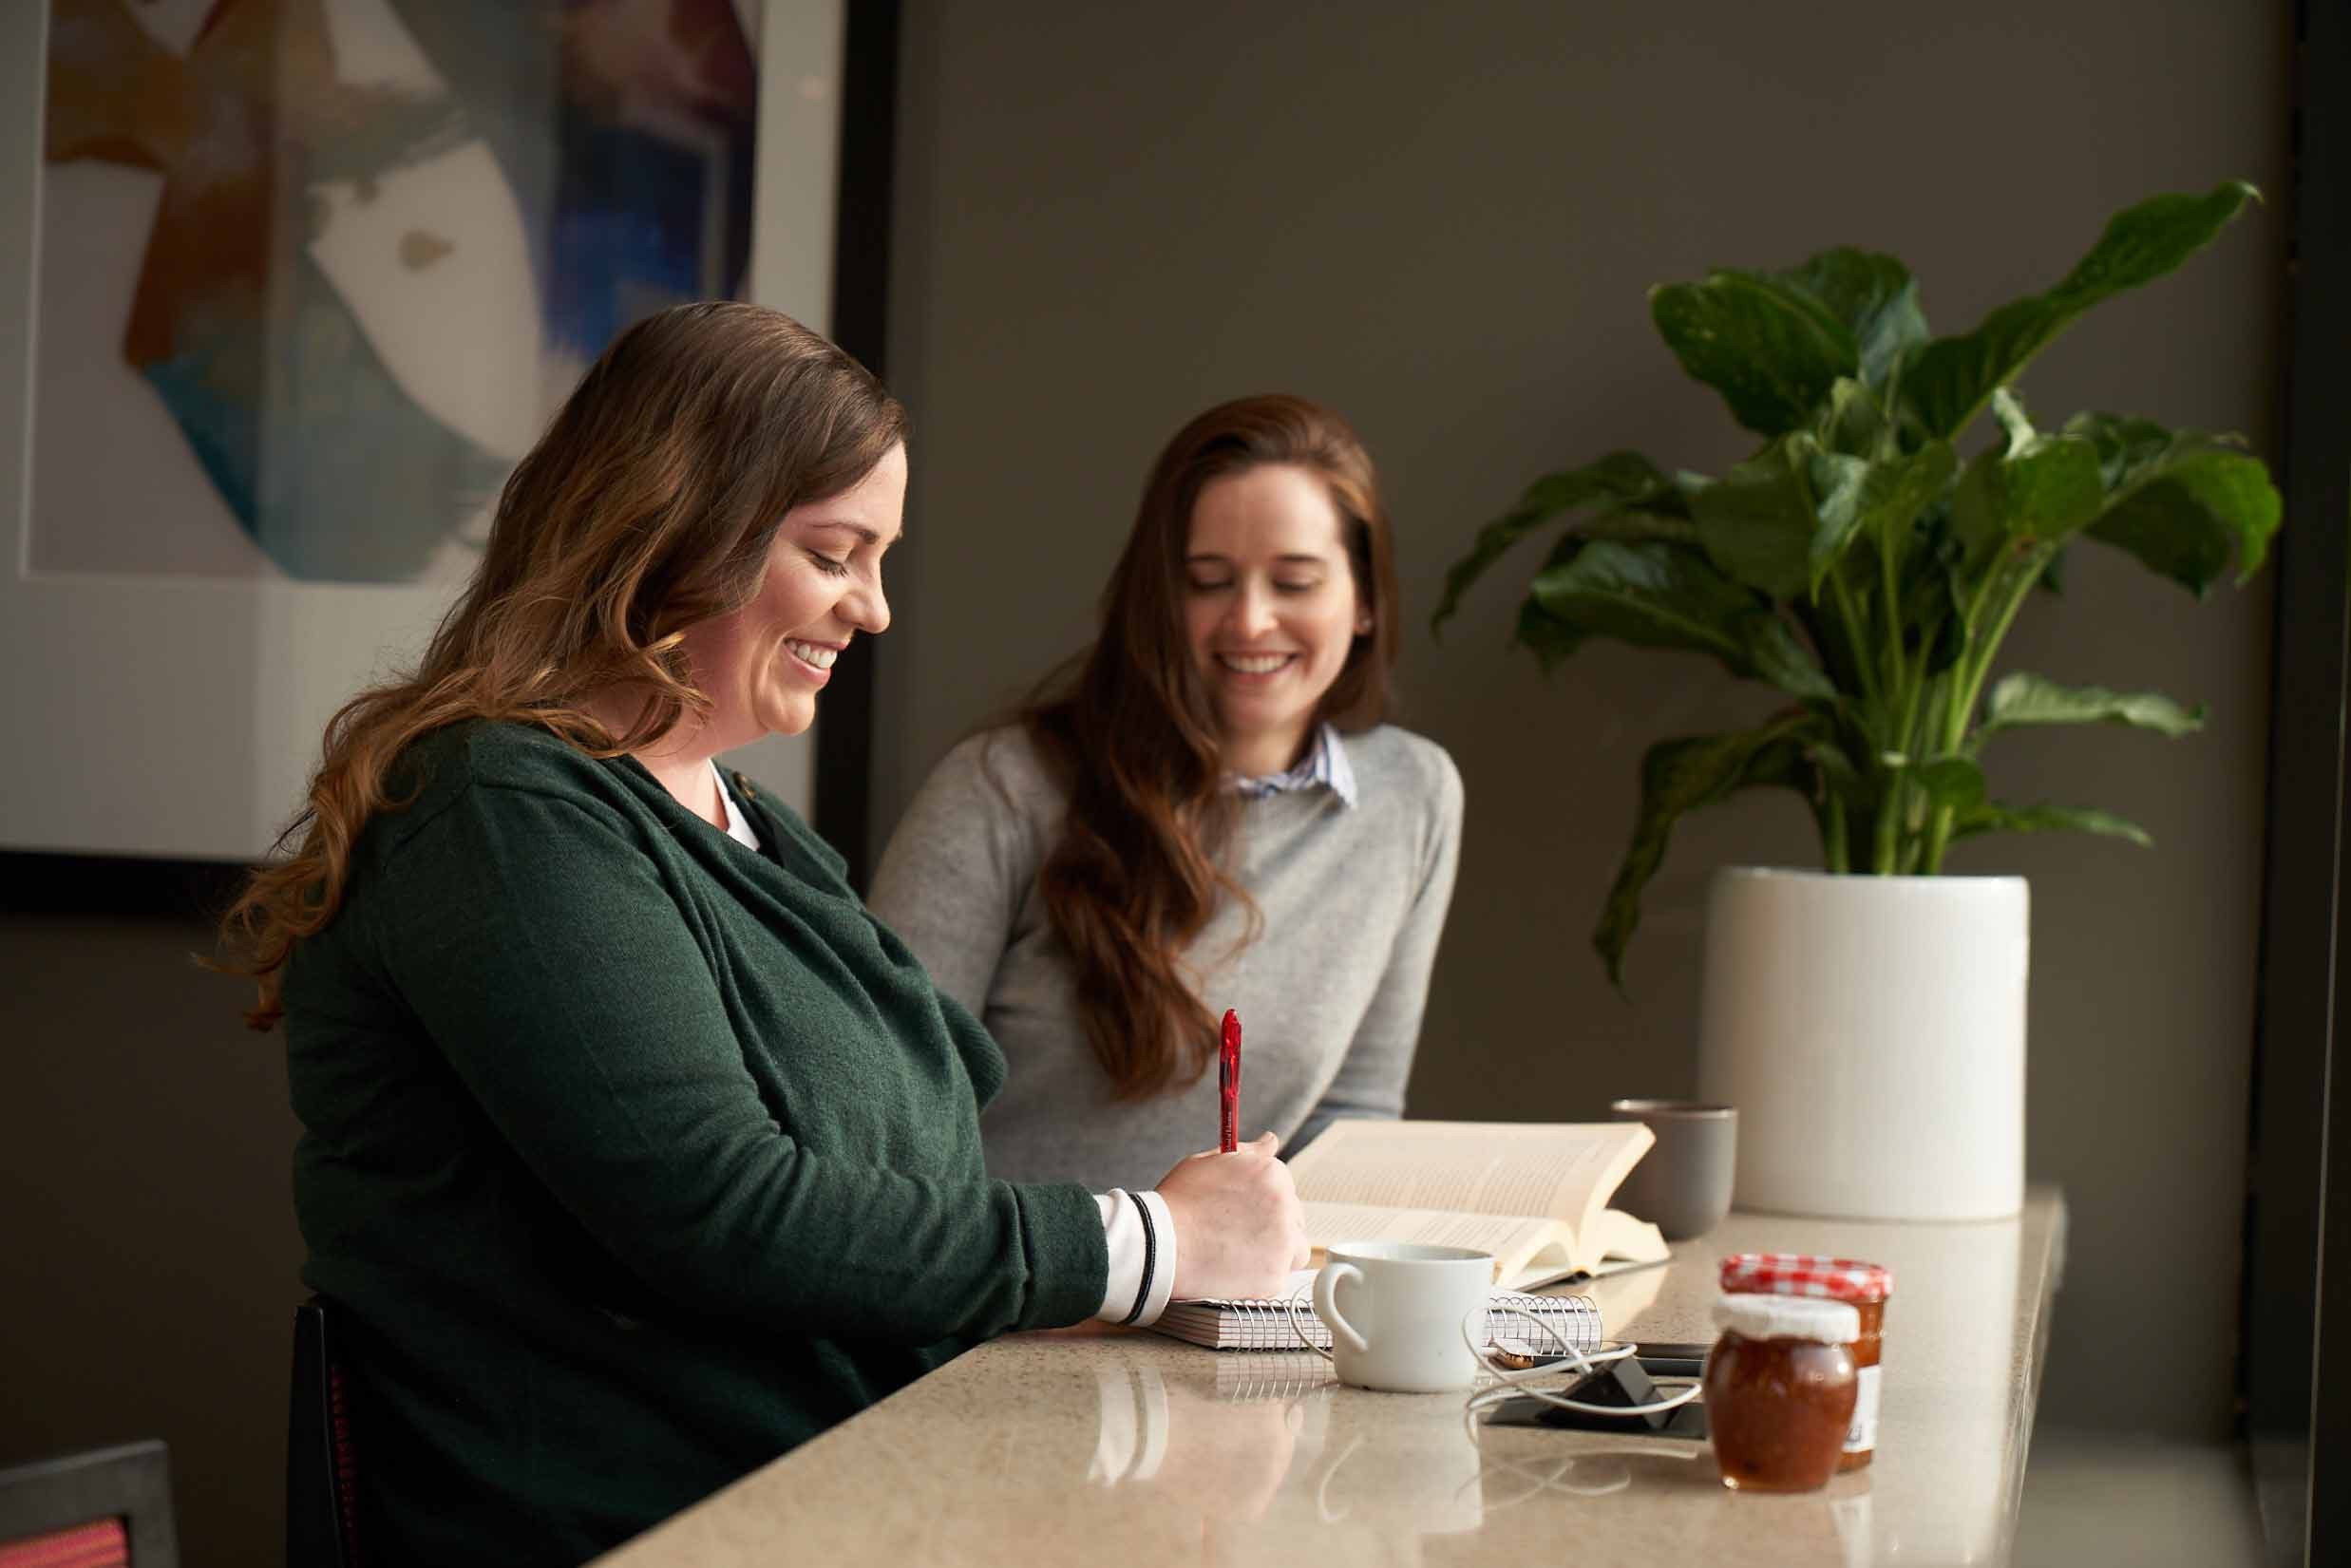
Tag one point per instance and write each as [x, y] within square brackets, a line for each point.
[1133, 735]
[647, 508]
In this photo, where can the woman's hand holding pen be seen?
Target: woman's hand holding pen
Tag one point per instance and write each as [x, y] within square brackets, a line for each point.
[1239, 1230]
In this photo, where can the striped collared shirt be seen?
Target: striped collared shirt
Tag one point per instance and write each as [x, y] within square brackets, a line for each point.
[1324, 766]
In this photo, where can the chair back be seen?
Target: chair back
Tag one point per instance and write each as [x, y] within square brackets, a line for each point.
[321, 1467]
[108, 1508]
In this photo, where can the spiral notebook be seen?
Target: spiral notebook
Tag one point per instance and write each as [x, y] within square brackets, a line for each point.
[1266, 1325]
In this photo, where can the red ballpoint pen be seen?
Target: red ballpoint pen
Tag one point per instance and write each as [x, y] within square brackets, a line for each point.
[1228, 1083]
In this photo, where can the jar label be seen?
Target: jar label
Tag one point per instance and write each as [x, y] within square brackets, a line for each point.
[1862, 1436]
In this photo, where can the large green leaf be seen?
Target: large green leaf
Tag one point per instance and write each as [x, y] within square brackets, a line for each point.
[1827, 634]
[1756, 522]
[2183, 501]
[1942, 631]
[1624, 478]
[1551, 641]
[1877, 499]
[1855, 421]
[1656, 595]
[2020, 699]
[1932, 614]
[1771, 349]
[1677, 776]
[1778, 656]
[1635, 525]
[1876, 298]
[1951, 780]
[1838, 774]
[1835, 480]
[1945, 382]
[1667, 595]
[2129, 447]
[2045, 493]
[2172, 533]
[1992, 817]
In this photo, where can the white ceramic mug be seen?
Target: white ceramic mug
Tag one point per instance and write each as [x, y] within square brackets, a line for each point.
[1406, 1302]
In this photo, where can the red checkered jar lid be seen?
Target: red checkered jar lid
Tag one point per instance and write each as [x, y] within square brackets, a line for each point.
[1805, 1274]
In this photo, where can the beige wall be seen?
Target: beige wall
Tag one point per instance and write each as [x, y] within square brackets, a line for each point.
[1443, 220]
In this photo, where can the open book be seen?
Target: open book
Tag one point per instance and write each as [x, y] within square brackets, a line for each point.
[1533, 1194]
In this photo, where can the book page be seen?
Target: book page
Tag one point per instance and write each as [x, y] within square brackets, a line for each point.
[1564, 1170]
[1520, 1247]
[1616, 1234]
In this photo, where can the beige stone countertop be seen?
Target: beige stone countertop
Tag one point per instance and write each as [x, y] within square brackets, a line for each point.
[1117, 1448]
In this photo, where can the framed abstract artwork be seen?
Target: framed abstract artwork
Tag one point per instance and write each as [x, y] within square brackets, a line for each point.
[286, 288]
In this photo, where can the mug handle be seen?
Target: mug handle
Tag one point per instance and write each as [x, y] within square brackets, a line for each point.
[1326, 1308]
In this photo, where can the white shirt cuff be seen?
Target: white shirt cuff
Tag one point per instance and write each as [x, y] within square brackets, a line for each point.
[1142, 1261]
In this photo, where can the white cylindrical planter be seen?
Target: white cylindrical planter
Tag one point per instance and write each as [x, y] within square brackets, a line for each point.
[1870, 1030]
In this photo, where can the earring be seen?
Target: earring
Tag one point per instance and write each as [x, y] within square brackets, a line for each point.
[1363, 624]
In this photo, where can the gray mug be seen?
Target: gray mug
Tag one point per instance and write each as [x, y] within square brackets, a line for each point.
[1683, 1184]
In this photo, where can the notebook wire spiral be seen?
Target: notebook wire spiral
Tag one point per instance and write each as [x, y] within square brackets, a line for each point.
[1266, 1325]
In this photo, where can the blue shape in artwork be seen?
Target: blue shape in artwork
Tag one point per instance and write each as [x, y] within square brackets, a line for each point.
[224, 432]
[355, 482]
[628, 226]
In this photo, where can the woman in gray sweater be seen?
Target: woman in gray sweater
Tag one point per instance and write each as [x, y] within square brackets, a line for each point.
[1204, 811]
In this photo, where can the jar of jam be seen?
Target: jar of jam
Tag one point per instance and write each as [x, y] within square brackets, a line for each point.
[1779, 1391]
[1866, 1286]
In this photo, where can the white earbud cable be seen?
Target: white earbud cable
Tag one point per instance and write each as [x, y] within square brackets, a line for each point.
[1514, 1383]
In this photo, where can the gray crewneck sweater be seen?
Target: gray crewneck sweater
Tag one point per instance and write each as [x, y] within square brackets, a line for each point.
[1330, 995]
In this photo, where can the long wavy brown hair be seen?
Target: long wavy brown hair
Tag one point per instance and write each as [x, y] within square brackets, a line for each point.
[1131, 729]
[647, 507]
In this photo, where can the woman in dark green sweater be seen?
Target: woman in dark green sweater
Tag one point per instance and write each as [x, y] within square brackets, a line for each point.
[635, 1150]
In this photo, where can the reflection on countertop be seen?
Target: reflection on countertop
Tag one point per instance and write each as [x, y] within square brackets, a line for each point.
[1266, 1459]
[1103, 1446]
[1258, 1441]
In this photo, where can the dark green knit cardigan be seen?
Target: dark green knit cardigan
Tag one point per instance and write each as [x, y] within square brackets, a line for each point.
[632, 1156]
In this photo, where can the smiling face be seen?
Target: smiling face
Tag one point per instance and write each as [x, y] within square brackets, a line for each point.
[763, 665]
[1271, 608]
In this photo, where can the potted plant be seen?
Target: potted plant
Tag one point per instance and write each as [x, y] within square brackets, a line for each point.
[1869, 1019]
